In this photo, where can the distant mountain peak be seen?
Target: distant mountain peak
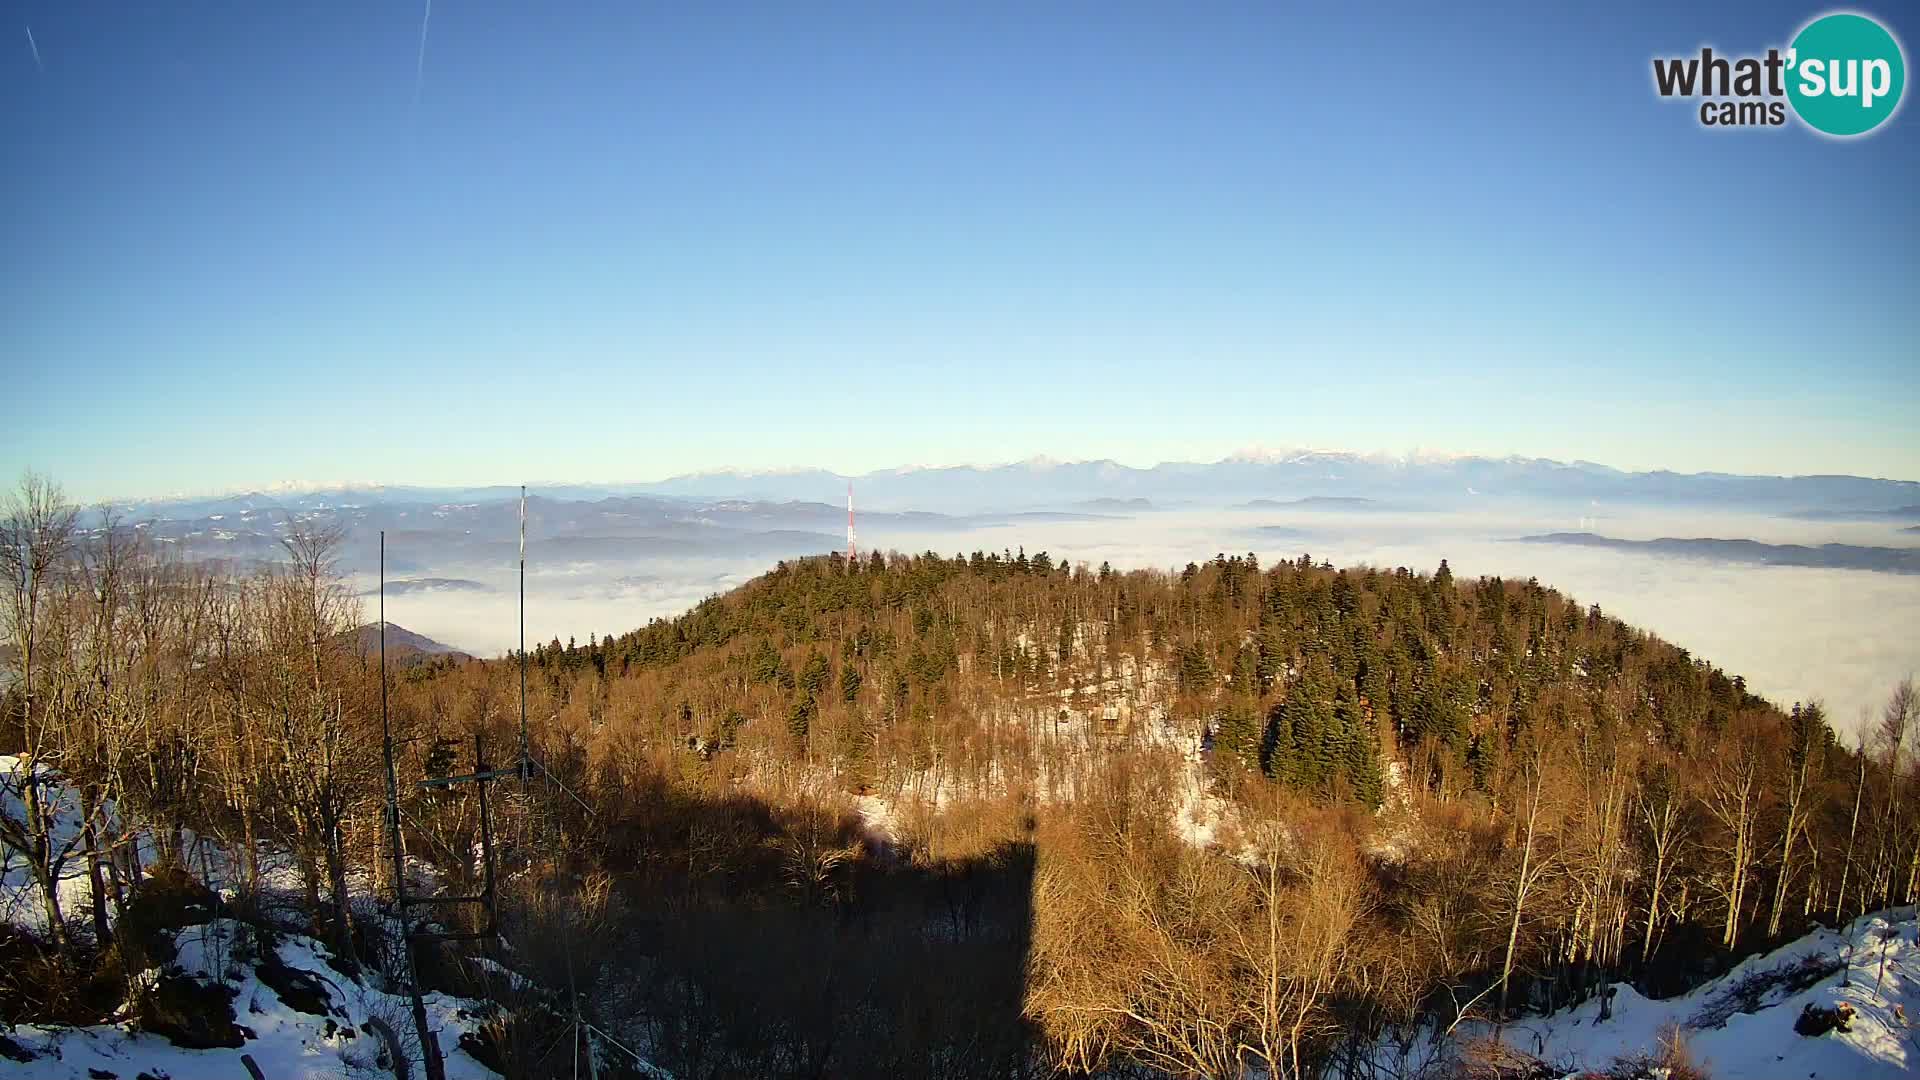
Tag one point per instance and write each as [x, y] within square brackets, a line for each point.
[1287, 455]
[1042, 462]
[1252, 470]
[404, 647]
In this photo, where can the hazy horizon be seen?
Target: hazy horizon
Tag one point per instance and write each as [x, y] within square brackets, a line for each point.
[721, 469]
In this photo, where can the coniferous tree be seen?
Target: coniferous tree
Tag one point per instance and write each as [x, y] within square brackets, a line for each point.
[815, 676]
[1238, 733]
[1362, 748]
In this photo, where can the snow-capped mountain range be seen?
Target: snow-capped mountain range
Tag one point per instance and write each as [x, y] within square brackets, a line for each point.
[1045, 481]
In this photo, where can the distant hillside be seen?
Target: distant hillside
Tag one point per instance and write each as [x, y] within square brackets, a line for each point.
[1301, 473]
[1313, 502]
[429, 584]
[1897, 513]
[404, 647]
[1829, 556]
[1029, 516]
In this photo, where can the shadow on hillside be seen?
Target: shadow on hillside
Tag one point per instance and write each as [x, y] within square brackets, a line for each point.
[744, 940]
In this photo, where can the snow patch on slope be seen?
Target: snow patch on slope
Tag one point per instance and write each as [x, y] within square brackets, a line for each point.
[1126, 710]
[287, 1043]
[1877, 970]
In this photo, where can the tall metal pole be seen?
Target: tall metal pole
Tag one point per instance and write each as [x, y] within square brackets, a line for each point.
[386, 744]
[525, 759]
[429, 1046]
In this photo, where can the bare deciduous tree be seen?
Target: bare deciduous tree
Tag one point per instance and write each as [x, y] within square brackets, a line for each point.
[36, 535]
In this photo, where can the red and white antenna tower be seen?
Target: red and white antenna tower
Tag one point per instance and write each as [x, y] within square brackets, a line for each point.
[850, 551]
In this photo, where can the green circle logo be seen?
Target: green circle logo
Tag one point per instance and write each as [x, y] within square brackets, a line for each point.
[1845, 73]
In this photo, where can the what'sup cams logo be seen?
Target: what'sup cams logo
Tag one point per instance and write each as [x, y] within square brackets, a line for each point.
[1842, 76]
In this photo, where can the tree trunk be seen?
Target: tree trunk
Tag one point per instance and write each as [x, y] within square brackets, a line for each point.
[343, 910]
[310, 884]
[1853, 829]
[96, 882]
[115, 890]
[1742, 824]
[1519, 908]
[249, 834]
[1796, 800]
[45, 873]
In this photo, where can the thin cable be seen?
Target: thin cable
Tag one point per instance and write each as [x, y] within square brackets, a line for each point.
[449, 852]
[580, 1027]
[618, 1045]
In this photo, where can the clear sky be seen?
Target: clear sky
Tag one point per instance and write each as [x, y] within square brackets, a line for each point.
[255, 242]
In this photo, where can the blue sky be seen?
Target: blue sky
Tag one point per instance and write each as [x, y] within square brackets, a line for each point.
[617, 241]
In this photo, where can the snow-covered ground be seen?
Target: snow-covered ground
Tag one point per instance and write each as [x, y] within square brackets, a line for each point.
[284, 1042]
[1742, 1024]
[21, 901]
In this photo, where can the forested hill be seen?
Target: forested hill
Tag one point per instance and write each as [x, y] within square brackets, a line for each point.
[1470, 795]
[879, 819]
[1311, 676]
